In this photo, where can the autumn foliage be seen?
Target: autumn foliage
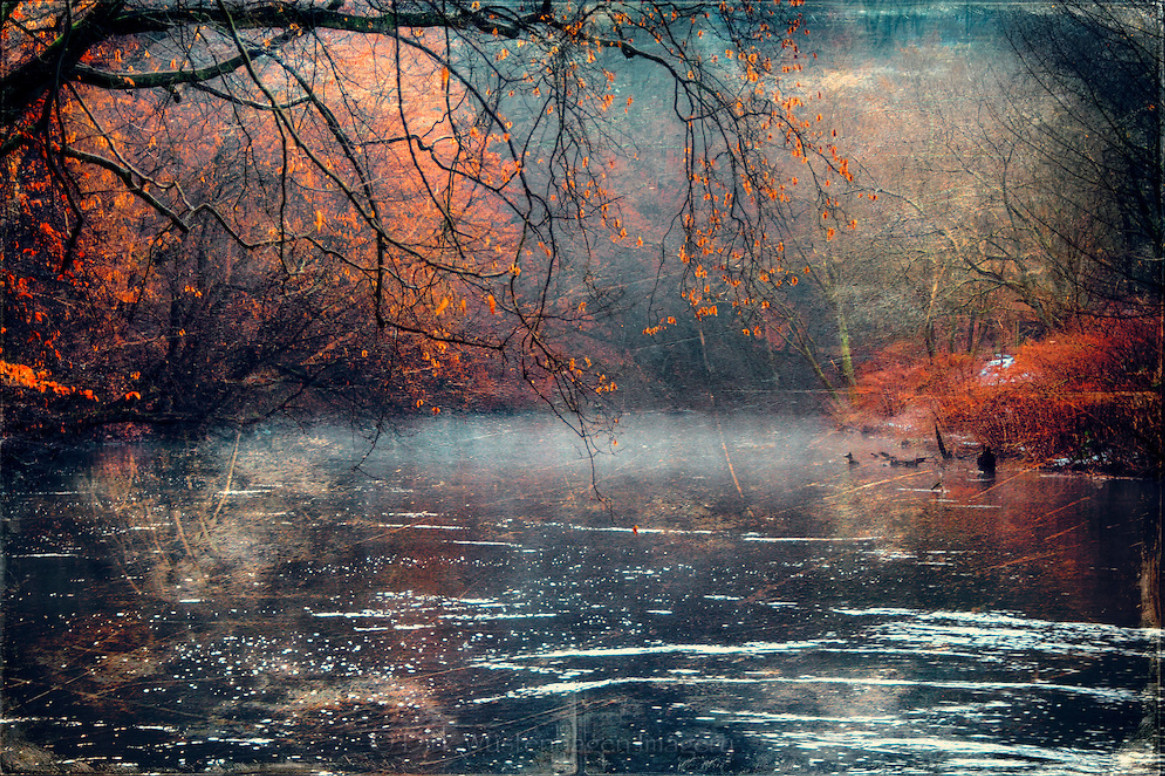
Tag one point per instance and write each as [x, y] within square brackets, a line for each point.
[1088, 395]
[224, 211]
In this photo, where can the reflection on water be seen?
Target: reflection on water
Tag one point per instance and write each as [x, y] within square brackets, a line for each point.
[462, 603]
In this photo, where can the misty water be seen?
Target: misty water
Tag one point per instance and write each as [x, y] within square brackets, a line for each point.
[458, 600]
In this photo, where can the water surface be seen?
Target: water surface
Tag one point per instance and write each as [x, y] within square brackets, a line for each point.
[740, 601]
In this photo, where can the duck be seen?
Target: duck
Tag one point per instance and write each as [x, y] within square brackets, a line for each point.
[986, 461]
[852, 461]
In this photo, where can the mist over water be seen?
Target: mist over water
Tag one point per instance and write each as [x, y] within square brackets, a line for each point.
[709, 593]
[742, 601]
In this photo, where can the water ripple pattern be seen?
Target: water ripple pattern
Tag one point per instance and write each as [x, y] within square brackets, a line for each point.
[465, 604]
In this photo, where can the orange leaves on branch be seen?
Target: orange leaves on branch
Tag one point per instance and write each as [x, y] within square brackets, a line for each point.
[453, 137]
[26, 378]
[605, 385]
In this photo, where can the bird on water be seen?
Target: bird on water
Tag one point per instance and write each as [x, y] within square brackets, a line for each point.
[986, 461]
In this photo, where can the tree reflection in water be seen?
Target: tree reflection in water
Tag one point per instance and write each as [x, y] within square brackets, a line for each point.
[462, 603]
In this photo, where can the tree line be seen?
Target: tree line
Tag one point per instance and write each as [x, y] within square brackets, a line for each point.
[221, 211]
[285, 204]
[1018, 274]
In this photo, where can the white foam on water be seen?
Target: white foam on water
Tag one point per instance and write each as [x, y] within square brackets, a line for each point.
[422, 526]
[748, 648]
[1110, 695]
[485, 543]
[752, 537]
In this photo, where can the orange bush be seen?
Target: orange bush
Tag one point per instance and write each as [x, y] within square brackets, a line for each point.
[1087, 395]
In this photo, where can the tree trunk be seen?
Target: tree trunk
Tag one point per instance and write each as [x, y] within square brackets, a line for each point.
[844, 348]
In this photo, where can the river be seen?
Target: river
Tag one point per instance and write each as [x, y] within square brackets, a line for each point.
[732, 597]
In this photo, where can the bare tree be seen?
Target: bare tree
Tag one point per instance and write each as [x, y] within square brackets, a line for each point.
[1089, 133]
[1095, 203]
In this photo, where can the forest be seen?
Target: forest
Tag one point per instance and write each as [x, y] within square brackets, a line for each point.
[941, 219]
[321, 317]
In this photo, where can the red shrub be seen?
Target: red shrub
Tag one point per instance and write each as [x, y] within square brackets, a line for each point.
[1088, 394]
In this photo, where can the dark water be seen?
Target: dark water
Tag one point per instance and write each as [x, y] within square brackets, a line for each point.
[743, 602]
